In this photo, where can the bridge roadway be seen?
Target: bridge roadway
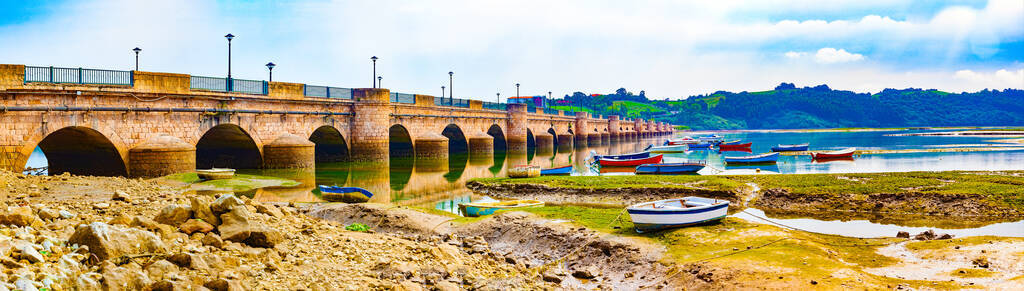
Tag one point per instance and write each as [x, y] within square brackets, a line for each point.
[158, 124]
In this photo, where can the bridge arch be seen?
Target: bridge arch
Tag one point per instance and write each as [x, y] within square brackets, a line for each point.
[457, 142]
[400, 142]
[554, 136]
[330, 145]
[81, 150]
[530, 141]
[227, 146]
[499, 138]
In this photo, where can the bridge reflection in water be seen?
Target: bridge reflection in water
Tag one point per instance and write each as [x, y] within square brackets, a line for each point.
[408, 181]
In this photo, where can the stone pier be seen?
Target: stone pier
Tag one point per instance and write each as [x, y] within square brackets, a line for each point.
[370, 125]
[517, 126]
[160, 156]
[545, 143]
[289, 151]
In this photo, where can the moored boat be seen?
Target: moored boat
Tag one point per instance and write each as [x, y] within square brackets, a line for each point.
[731, 142]
[682, 141]
[475, 209]
[556, 171]
[791, 147]
[734, 146]
[215, 174]
[344, 194]
[670, 168]
[670, 213]
[846, 153]
[629, 162]
[524, 171]
[667, 149]
[699, 146]
[755, 159]
[639, 155]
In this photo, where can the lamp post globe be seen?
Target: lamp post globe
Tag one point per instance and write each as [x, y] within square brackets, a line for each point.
[270, 66]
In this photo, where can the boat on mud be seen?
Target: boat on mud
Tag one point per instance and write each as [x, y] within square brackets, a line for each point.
[629, 162]
[755, 159]
[524, 171]
[846, 153]
[791, 147]
[344, 194]
[678, 212]
[667, 149]
[215, 174]
[488, 206]
[670, 168]
[556, 171]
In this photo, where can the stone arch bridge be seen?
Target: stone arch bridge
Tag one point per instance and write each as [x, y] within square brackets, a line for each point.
[153, 124]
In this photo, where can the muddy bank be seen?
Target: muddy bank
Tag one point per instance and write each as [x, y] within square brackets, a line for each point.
[612, 196]
[911, 203]
[549, 252]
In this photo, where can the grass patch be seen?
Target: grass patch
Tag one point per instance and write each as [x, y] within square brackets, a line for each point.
[240, 182]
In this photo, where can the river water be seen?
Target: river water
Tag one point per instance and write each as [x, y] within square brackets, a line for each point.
[442, 185]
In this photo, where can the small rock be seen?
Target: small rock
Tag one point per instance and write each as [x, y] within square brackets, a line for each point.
[109, 241]
[201, 208]
[222, 284]
[264, 237]
[145, 222]
[213, 240]
[66, 214]
[903, 234]
[814, 282]
[549, 276]
[981, 262]
[446, 286]
[49, 214]
[926, 235]
[269, 210]
[588, 272]
[25, 285]
[20, 216]
[101, 205]
[174, 215]
[121, 196]
[30, 254]
[195, 225]
[945, 236]
[158, 269]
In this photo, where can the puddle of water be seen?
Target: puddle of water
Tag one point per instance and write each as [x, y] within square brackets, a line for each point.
[867, 229]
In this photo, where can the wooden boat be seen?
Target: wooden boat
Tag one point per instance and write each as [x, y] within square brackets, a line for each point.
[755, 159]
[791, 147]
[524, 171]
[714, 138]
[608, 170]
[629, 162]
[846, 153]
[344, 194]
[556, 171]
[670, 213]
[682, 141]
[639, 155]
[215, 174]
[731, 142]
[667, 149]
[699, 146]
[734, 146]
[474, 209]
[670, 168]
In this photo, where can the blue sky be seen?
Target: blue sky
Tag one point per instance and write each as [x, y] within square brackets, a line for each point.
[670, 49]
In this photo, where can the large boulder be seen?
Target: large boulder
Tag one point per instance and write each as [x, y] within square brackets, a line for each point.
[174, 215]
[264, 237]
[234, 224]
[201, 208]
[224, 203]
[108, 241]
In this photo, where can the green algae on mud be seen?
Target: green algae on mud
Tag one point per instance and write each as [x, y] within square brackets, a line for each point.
[239, 183]
[956, 193]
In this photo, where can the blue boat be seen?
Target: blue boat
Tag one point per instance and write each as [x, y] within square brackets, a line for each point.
[640, 155]
[755, 159]
[670, 168]
[556, 171]
[699, 146]
[791, 147]
[344, 194]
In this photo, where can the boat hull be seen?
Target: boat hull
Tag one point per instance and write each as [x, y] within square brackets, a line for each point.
[742, 146]
[556, 171]
[524, 171]
[669, 149]
[629, 163]
[626, 156]
[759, 159]
[652, 219]
[793, 148]
[344, 194]
[699, 146]
[215, 174]
[669, 169]
[842, 154]
[477, 210]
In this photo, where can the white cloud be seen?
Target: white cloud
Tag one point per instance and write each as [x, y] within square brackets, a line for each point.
[794, 55]
[1000, 79]
[829, 55]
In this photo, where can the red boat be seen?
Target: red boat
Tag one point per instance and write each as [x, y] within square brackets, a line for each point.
[734, 146]
[840, 154]
[629, 162]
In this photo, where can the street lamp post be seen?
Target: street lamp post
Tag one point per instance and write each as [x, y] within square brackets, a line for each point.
[549, 100]
[499, 97]
[380, 81]
[517, 90]
[451, 88]
[229, 37]
[270, 66]
[374, 79]
[136, 50]
[442, 92]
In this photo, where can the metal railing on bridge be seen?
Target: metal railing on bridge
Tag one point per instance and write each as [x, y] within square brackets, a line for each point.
[454, 102]
[327, 92]
[495, 106]
[229, 85]
[550, 111]
[403, 98]
[598, 116]
[78, 76]
[569, 113]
